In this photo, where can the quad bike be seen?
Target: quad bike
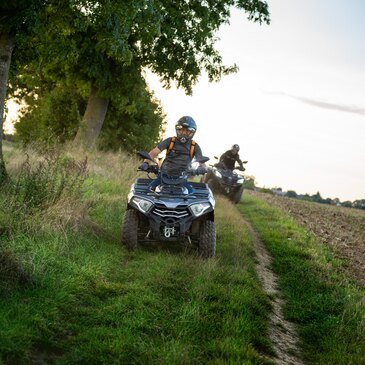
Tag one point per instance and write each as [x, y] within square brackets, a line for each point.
[226, 182]
[170, 213]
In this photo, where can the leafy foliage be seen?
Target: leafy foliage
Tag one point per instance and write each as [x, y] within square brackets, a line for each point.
[88, 41]
[106, 44]
[82, 43]
[51, 117]
[134, 119]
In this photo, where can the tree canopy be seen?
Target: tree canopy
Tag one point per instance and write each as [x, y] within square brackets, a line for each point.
[88, 45]
[86, 39]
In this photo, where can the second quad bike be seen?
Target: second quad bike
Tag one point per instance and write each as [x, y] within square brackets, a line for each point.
[226, 182]
[170, 213]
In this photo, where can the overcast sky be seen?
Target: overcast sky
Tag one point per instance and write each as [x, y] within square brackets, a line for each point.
[297, 105]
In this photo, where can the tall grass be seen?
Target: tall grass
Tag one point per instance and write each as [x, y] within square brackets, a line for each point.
[93, 302]
[328, 307]
[35, 189]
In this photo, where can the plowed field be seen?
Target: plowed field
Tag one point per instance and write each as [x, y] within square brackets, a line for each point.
[343, 229]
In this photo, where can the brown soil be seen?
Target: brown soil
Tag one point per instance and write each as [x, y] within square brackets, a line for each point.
[341, 229]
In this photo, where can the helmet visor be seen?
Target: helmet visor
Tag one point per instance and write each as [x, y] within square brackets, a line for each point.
[183, 131]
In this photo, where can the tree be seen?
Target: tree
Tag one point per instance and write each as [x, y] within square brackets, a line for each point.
[347, 204]
[53, 114]
[317, 197]
[359, 204]
[50, 116]
[16, 19]
[140, 113]
[6, 49]
[291, 194]
[93, 41]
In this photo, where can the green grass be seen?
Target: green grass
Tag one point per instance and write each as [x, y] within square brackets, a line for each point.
[327, 307]
[93, 302]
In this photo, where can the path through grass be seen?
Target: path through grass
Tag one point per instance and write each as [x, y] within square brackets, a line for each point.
[326, 305]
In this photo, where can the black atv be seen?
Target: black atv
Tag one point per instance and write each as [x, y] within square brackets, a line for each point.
[170, 213]
[226, 182]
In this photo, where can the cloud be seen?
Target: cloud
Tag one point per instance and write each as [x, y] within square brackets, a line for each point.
[325, 105]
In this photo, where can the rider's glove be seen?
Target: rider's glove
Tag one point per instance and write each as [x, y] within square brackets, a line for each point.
[242, 168]
[201, 170]
[144, 167]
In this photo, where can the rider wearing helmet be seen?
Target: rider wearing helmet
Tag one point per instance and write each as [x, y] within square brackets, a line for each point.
[180, 149]
[229, 158]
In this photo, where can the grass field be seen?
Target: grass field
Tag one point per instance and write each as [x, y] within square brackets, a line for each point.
[326, 304]
[92, 302]
[72, 294]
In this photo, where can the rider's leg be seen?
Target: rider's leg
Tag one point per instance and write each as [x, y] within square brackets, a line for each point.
[188, 186]
[154, 183]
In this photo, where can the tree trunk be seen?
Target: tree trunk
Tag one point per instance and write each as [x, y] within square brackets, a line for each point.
[92, 120]
[6, 48]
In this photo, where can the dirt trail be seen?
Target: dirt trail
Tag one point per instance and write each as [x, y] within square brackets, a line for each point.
[282, 333]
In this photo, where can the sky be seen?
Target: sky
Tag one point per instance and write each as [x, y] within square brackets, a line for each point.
[297, 105]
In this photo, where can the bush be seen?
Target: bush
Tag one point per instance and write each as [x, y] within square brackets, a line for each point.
[267, 191]
[37, 187]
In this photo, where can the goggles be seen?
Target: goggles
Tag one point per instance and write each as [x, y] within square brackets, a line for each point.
[180, 127]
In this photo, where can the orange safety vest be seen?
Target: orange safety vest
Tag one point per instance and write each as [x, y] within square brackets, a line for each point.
[172, 143]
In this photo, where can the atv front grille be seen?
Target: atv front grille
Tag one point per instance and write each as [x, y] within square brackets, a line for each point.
[171, 214]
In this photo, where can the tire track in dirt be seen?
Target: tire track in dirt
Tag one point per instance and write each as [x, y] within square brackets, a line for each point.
[282, 333]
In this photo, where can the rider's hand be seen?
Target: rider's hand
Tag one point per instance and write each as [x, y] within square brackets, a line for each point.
[242, 168]
[201, 170]
[144, 167]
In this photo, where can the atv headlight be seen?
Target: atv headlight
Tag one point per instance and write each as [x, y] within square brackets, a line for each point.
[217, 173]
[199, 209]
[142, 204]
[240, 181]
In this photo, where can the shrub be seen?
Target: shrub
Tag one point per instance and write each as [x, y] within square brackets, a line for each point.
[38, 186]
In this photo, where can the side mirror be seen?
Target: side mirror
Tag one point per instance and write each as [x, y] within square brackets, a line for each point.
[216, 157]
[145, 155]
[244, 161]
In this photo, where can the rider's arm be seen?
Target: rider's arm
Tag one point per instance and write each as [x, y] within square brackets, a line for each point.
[223, 157]
[153, 153]
[221, 163]
[198, 153]
[160, 147]
[239, 162]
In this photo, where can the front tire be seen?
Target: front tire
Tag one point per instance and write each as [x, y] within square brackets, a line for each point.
[236, 196]
[130, 230]
[207, 239]
[213, 185]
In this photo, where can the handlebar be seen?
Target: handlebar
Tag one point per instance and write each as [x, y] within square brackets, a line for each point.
[191, 172]
[151, 169]
[199, 171]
